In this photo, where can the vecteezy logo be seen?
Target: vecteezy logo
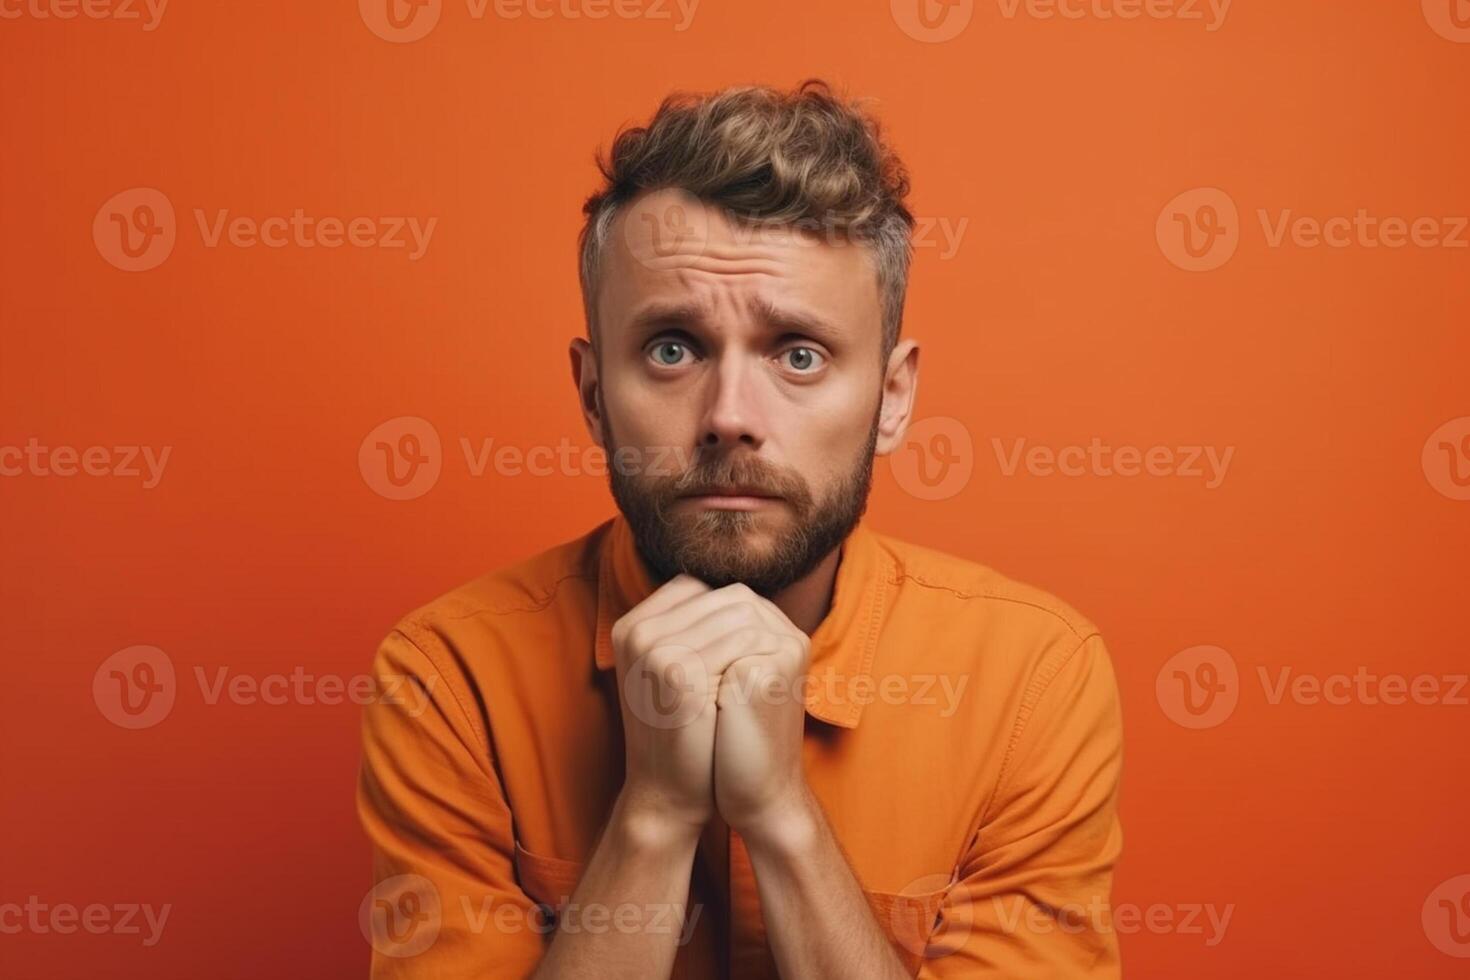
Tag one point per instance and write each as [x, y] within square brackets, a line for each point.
[401, 916]
[932, 21]
[1446, 459]
[400, 21]
[1199, 229]
[667, 688]
[680, 229]
[135, 230]
[666, 230]
[135, 687]
[1446, 917]
[1449, 18]
[401, 459]
[919, 908]
[936, 460]
[1199, 687]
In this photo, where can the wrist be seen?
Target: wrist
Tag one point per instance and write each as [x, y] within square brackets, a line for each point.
[788, 825]
[644, 824]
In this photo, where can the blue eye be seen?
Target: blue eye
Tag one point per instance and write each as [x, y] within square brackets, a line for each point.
[802, 359]
[668, 353]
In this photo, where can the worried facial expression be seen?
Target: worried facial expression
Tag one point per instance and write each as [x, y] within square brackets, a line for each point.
[739, 389]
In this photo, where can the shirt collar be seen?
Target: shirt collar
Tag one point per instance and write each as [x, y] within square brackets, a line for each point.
[842, 648]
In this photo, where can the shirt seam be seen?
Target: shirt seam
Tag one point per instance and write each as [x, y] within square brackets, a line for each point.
[1040, 683]
[444, 678]
[997, 597]
[482, 608]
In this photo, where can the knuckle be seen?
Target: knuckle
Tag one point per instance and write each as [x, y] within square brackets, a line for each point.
[746, 637]
[660, 661]
[638, 637]
[741, 670]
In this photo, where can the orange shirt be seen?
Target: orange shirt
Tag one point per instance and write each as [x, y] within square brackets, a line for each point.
[963, 737]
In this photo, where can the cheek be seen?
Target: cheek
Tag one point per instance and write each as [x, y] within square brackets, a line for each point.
[643, 416]
[826, 445]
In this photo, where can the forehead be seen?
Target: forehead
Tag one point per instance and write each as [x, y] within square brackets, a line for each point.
[668, 248]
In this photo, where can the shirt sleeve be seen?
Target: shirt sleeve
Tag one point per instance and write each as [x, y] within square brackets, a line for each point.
[444, 902]
[1032, 897]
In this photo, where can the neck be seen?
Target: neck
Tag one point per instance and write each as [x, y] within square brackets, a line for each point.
[806, 601]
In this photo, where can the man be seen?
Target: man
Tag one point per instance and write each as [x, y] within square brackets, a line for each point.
[733, 732]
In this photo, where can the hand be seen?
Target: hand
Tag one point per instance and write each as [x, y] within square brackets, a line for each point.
[711, 716]
[759, 779]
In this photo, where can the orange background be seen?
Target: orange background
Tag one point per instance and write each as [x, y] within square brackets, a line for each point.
[1059, 319]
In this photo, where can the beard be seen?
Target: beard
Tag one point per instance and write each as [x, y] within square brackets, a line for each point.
[719, 546]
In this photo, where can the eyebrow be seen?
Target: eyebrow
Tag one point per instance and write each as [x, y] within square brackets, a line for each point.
[658, 316]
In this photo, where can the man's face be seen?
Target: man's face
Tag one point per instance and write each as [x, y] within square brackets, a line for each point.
[739, 390]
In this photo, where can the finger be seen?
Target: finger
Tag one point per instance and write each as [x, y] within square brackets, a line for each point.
[773, 615]
[674, 592]
[728, 644]
[683, 616]
[755, 679]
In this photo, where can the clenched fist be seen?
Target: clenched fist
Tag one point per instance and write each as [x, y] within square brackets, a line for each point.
[711, 717]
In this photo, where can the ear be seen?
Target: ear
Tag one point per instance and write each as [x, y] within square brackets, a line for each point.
[584, 376]
[900, 387]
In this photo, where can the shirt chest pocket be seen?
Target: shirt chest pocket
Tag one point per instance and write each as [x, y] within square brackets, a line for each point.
[912, 922]
[549, 881]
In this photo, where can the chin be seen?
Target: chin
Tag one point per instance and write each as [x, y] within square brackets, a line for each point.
[736, 552]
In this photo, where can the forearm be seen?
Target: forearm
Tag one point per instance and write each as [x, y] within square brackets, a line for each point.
[819, 922]
[630, 911]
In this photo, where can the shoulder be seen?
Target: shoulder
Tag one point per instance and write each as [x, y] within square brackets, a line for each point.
[1019, 642]
[929, 577]
[510, 595]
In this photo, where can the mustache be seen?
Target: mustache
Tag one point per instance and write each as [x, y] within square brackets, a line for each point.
[727, 474]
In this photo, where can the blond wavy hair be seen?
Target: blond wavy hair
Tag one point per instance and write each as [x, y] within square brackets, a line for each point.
[807, 158]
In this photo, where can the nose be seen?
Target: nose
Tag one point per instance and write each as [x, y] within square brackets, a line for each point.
[733, 415]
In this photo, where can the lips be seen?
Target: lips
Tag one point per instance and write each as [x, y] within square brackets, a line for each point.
[736, 492]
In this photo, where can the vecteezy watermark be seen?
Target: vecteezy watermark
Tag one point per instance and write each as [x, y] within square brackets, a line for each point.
[669, 687]
[136, 230]
[935, 21]
[1199, 230]
[405, 21]
[403, 458]
[932, 21]
[1446, 916]
[1099, 459]
[626, 918]
[1210, 13]
[145, 463]
[1198, 687]
[1201, 686]
[1446, 459]
[936, 460]
[404, 915]
[1018, 914]
[917, 920]
[1363, 687]
[670, 230]
[65, 919]
[148, 13]
[1450, 19]
[401, 916]
[138, 686]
